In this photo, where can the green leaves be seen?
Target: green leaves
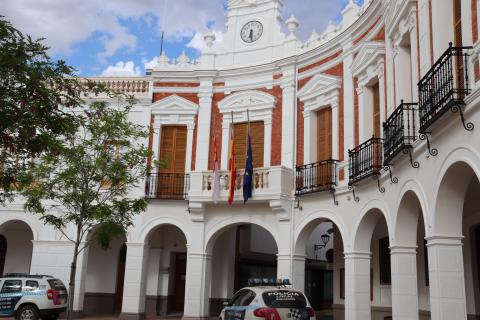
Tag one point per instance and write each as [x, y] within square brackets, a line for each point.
[88, 180]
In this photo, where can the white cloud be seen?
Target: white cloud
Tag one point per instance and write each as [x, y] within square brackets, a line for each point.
[198, 43]
[150, 64]
[122, 69]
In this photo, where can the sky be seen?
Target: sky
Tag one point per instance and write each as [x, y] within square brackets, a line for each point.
[123, 37]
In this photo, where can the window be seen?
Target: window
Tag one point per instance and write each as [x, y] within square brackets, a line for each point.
[376, 110]
[12, 286]
[237, 298]
[240, 141]
[284, 299]
[247, 298]
[30, 285]
[173, 149]
[384, 259]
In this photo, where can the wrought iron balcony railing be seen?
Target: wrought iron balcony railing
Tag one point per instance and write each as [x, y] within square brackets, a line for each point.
[167, 186]
[400, 132]
[365, 160]
[316, 177]
[444, 87]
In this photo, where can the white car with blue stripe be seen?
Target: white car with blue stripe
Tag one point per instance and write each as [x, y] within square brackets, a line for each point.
[31, 297]
[269, 300]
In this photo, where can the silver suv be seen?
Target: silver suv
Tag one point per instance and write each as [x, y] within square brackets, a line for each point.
[31, 297]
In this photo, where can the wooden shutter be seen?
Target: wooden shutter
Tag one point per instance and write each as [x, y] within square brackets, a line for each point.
[173, 152]
[324, 134]
[173, 149]
[241, 143]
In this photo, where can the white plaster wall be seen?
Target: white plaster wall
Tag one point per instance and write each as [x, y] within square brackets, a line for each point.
[223, 265]
[102, 267]
[382, 294]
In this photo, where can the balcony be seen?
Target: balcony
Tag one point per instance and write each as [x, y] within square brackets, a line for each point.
[268, 184]
[167, 186]
[365, 161]
[399, 133]
[316, 177]
[444, 87]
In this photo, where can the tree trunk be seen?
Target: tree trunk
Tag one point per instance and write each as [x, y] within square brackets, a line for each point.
[71, 284]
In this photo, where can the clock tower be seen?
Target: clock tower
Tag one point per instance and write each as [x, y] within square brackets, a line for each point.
[254, 32]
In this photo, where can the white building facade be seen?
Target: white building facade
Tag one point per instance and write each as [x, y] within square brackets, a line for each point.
[366, 136]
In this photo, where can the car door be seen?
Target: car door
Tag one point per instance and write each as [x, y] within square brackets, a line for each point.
[235, 310]
[10, 294]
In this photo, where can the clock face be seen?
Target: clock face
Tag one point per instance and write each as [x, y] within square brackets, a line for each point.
[252, 31]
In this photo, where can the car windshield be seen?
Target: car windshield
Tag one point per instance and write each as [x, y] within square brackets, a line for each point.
[284, 299]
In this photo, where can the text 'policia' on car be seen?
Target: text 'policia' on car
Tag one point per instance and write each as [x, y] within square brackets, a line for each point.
[269, 299]
[29, 297]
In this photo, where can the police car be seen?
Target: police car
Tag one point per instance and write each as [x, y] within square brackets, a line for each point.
[30, 297]
[268, 299]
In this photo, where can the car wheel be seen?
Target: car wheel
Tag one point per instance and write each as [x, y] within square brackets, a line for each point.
[27, 313]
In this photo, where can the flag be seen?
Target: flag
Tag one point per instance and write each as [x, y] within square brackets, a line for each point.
[216, 175]
[231, 168]
[248, 175]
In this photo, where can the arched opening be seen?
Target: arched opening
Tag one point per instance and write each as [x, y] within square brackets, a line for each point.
[409, 234]
[373, 236]
[166, 272]
[457, 215]
[15, 247]
[239, 252]
[321, 244]
[104, 278]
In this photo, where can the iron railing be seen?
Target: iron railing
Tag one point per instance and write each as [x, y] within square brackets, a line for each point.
[399, 131]
[365, 160]
[444, 86]
[316, 177]
[167, 186]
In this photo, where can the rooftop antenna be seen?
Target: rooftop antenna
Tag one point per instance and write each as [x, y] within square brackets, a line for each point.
[161, 44]
[163, 24]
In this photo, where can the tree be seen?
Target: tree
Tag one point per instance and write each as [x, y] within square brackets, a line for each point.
[87, 182]
[35, 95]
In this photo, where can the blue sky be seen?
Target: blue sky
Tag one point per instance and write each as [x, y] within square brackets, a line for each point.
[120, 37]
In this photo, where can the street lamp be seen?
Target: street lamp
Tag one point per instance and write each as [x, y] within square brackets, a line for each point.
[325, 239]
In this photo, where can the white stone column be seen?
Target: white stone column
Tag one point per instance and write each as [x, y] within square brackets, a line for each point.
[391, 72]
[335, 136]
[404, 283]
[203, 129]
[288, 117]
[309, 141]
[357, 286]
[225, 142]
[134, 289]
[447, 282]
[188, 158]
[414, 57]
[284, 263]
[267, 150]
[157, 134]
[197, 290]
[348, 102]
[364, 117]
[298, 278]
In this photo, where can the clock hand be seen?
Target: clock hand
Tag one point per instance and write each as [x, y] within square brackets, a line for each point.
[251, 35]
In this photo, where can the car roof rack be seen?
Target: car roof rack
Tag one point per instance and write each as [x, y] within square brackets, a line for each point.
[25, 275]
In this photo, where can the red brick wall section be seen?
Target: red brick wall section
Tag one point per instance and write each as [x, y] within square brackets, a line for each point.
[321, 62]
[300, 133]
[476, 70]
[380, 36]
[176, 84]
[193, 97]
[365, 34]
[355, 112]
[474, 21]
[216, 129]
[276, 159]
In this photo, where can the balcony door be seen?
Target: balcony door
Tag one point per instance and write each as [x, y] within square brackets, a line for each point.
[324, 146]
[257, 133]
[173, 152]
[376, 148]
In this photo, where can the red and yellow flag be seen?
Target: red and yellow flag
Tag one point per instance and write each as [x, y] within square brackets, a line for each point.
[231, 168]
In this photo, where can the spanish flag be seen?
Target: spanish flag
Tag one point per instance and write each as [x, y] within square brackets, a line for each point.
[231, 168]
